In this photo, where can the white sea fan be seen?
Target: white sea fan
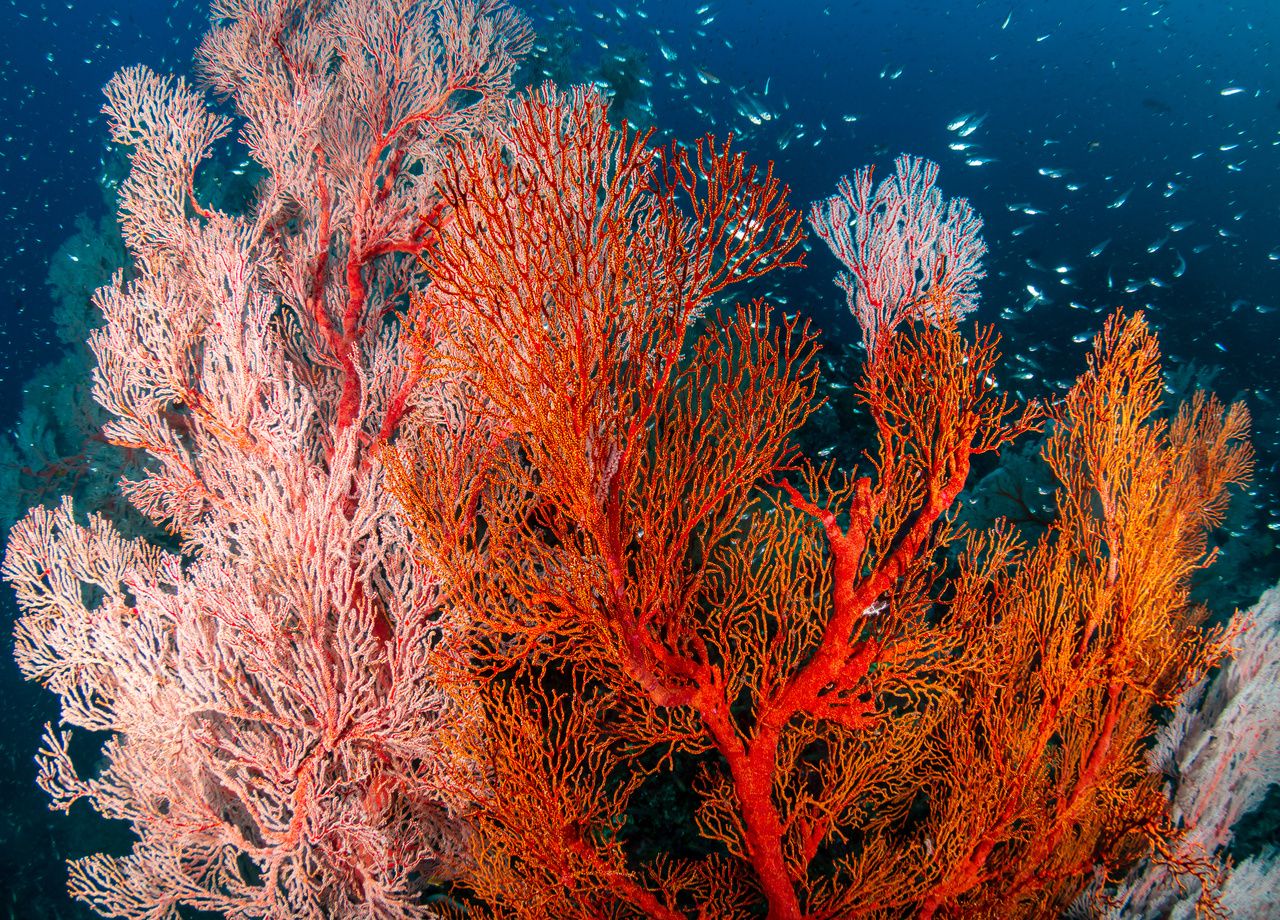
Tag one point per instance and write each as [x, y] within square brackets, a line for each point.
[1221, 752]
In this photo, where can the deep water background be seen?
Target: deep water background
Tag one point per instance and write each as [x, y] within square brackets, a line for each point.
[1154, 125]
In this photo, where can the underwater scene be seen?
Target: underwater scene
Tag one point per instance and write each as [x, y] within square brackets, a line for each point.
[677, 459]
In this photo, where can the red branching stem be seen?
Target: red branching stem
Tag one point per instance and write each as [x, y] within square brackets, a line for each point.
[196, 206]
[752, 767]
[400, 399]
[839, 658]
[621, 884]
[373, 190]
[319, 311]
[647, 658]
[388, 180]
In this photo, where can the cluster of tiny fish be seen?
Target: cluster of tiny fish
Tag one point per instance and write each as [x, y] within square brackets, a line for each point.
[1122, 156]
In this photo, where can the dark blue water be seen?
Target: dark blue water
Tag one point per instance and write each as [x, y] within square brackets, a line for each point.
[1116, 97]
[56, 58]
[1152, 127]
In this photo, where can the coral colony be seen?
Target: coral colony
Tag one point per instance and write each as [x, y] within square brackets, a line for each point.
[490, 579]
